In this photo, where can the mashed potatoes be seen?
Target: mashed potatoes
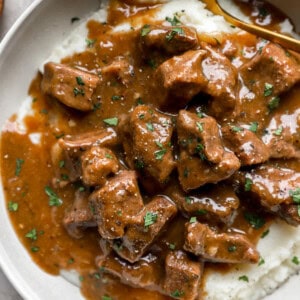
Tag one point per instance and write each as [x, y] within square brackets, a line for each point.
[282, 243]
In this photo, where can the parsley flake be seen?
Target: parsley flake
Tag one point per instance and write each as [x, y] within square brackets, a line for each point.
[253, 126]
[232, 248]
[177, 294]
[248, 184]
[106, 298]
[150, 126]
[295, 194]
[174, 22]
[265, 233]
[54, 200]
[79, 80]
[111, 121]
[254, 220]
[116, 97]
[32, 234]
[13, 206]
[200, 126]
[159, 154]
[274, 103]
[261, 261]
[244, 278]
[173, 32]
[278, 131]
[150, 218]
[19, 163]
[78, 92]
[90, 42]
[193, 220]
[145, 30]
[268, 90]
[295, 260]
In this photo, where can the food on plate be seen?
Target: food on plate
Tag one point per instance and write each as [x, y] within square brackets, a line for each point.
[160, 159]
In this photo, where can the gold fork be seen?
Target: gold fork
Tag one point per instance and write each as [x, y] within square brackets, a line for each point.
[284, 40]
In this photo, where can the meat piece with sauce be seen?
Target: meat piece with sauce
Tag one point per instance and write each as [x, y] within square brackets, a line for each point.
[145, 228]
[116, 204]
[70, 86]
[219, 247]
[98, 164]
[147, 142]
[246, 145]
[272, 71]
[200, 134]
[171, 40]
[79, 216]
[182, 277]
[273, 188]
[214, 203]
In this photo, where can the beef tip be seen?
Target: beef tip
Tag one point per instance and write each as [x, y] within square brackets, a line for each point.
[171, 40]
[116, 204]
[246, 145]
[221, 78]
[273, 69]
[282, 140]
[182, 276]
[79, 216]
[180, 78]
[98, 164]
[146, 227]
[195, 131]
[76, 144]
[148, 142]
[120, 69]
[219, 247]
[275, 188]
[214, 203]
[195, 172]
[146, 273]
[272, 186]
[70, 86]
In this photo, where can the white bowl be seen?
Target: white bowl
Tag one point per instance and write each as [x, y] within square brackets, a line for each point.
[29, 42]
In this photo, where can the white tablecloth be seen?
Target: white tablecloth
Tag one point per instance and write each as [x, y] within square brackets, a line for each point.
[12, 10]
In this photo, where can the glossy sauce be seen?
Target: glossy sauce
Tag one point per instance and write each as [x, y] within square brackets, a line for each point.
[53, 249]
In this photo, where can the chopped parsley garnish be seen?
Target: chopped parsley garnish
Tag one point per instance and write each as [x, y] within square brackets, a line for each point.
[199, 150]
[13, 206]
[32, 234]
[71, 261]
[295, 260]
[253, 126]
[78, 92]
[254, 220]
[261, 261]
[244, 278]
[295, 194]
[188, 200]
[174, 22]
[145, 30]
[139, 164]
[19, 163]
[159, 154]
[201, 212]
[172, 246]
[268, 91]
[149, 126]
[35, 249]
[111, 121]
[107, 155]
[200, 126]
[150, 218]
[265, 233]
[193, 220]
[274, 103]
[278, 131]
[173, 32]
[106, 298]
[116, 97]
[79, 80]
[177, 294]
[54, 200]
[231, 248]
[61, 164]
[248, 184]
[90, 43]
[236, 129]
[81, 278]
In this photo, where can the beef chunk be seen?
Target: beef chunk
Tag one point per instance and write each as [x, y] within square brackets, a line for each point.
[246, 145]
[271, 66]
[79, 216]
[182, 276]
[195, 172]
[116, 204]
[195, 132]
[70, 86]
[120, 69]
[172, 40]
[76, 144]
[276, 189]
[180, 78]
[219, 247]
[146, 273]
[214, 203]
[282, 136]
[148, 142]
[272, 186]
[146, 227]
[98, 164]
